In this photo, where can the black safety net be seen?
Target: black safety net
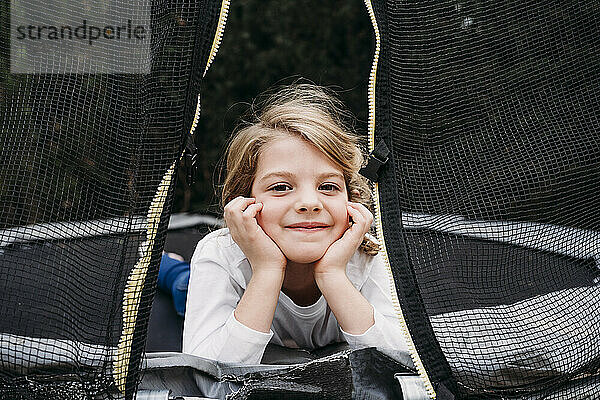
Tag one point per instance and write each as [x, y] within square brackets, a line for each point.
[97, 102]
[490, 202]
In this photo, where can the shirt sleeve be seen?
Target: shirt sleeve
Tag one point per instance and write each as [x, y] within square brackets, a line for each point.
[386, 332]
[210, 327]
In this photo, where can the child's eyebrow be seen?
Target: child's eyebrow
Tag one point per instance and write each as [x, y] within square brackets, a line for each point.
[289, 175]
[331, 175]
[277, 174]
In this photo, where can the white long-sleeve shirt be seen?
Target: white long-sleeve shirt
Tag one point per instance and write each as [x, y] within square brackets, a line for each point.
[219, 274]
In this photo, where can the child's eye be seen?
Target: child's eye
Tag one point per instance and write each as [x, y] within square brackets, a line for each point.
[280, 187]
[329, 187]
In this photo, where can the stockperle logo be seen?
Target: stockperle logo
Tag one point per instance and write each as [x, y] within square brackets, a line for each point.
[92, 36]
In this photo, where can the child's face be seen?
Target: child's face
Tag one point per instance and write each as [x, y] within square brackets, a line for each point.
[304, 199]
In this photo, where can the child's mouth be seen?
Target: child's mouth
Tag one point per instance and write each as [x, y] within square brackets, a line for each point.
[308, 226]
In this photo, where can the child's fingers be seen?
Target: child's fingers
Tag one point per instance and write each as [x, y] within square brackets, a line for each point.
[361, 217]
[354, 232]
[239, 204]
[251, 211]
[248, 223]
[357, 217]
[236, 206]
[243, 221]
[364, 211]
[351, 239]
[234, 214]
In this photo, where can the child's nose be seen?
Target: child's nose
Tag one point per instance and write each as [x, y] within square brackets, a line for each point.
[308, 200]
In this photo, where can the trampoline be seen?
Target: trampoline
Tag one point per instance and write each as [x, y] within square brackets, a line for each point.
[484, 161]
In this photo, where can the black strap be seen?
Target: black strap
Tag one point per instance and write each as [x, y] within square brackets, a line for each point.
[377, 158]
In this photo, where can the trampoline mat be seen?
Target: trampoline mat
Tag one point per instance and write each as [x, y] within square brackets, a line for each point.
[458, 273]
[42, 296]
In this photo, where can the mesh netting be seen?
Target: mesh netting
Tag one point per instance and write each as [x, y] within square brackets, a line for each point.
[490, 200]
[89, 148]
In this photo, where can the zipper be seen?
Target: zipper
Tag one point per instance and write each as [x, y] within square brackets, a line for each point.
[377, 217]
[135, 282]
[211, 56]
[219, 34]
[134, 286]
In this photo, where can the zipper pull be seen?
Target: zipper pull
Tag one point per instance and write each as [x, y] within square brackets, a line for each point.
[377, 158]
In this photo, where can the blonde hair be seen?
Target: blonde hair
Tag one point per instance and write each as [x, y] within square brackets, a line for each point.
[307, 112]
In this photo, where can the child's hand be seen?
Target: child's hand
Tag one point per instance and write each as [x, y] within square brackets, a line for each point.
[259, 248]
[336, 257]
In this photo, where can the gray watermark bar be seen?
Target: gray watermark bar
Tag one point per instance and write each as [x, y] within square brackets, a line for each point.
[100, 36]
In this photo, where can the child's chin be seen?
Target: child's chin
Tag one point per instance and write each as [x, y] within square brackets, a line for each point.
[304, 257]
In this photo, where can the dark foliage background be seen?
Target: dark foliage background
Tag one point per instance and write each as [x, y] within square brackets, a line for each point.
[267, 44]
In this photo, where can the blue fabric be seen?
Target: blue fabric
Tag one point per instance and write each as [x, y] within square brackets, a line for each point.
[173, 279]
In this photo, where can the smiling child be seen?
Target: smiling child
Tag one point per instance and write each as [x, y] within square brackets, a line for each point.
[295, 265]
